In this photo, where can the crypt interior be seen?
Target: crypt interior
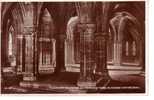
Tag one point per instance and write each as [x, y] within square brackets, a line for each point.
[65, 46]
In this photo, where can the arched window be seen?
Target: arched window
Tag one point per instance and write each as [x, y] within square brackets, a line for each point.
[127, 48]
[129, 55]
[72, 55]
[134, 48]
[10, 43]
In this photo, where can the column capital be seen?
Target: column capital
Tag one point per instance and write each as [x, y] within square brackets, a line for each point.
[86, 27]
[20, 36]
[29, 30]
[86, 11]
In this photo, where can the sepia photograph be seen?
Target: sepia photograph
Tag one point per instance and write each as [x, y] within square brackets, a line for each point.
[76, 47]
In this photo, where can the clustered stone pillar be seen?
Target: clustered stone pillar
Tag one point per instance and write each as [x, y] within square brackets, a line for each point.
[29, 43]
[29, 73]
[86, 78]
[101, 71]
[93, 45]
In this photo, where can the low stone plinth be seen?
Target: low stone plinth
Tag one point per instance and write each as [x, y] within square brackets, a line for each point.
[86, 85]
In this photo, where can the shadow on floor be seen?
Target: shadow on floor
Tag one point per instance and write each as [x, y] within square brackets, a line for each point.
[136, 84]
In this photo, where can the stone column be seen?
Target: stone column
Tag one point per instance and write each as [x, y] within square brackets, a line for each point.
[60, 53]
[101, 56]
[87, 28]
[86, 78]
[0, 34]
[19, 54]
[35, 55]
[29, 74]
[101, 37]
[101, 71]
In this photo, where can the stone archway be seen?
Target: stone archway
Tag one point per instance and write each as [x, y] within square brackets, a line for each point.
[11, 23]
[119, 24]
[72, 42]
[87, 26]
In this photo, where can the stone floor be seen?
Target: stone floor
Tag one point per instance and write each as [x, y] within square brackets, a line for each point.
[121, 81]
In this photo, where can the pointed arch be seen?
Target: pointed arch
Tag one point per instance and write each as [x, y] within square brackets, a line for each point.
[46, 16]
[44, 7]
[72, 23]
[9, 8]
[122, 21]
[71, 47]
[12, 19]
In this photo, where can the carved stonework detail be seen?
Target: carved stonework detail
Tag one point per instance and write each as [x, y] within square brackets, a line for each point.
[86, 53]
[86, 11]
[100, 54]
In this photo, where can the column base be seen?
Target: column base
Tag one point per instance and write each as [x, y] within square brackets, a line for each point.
[102, 79]
[84, 84]
[25, 84]
[27, 81]
[116, 64]
[29, 77]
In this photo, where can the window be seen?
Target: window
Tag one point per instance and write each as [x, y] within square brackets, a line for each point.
[134, 48]
[10, 43]
[127, 48]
